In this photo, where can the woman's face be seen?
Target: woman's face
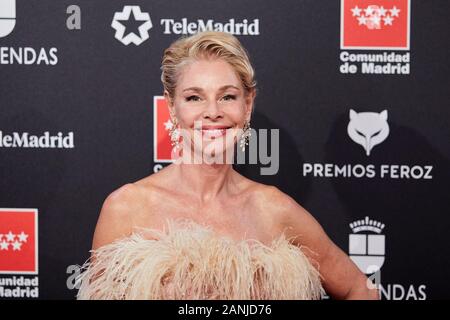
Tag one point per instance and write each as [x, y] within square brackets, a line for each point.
[210, 106]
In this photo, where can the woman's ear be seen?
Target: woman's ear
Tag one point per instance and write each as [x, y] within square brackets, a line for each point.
[167, 97]
[249, 102]
[169, 102]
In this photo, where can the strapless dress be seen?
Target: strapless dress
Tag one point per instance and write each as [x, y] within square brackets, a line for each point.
[190, 261]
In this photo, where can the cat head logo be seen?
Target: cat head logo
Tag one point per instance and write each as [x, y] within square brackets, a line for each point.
[367, 245]
[7, 17]
[368, 128]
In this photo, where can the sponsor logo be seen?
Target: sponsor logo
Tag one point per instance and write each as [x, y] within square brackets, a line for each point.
[368, 129]
[27, 140]
[184, 26]
[367, 245]
[132, 25]
[19, 253]
[375, 25]
[121, 19]
[21, 55]
[367, 249]
[7, 17]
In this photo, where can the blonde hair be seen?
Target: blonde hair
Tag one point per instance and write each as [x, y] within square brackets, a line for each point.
[207, 44]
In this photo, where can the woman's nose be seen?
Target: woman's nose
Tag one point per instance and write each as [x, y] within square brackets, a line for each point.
[213, 110]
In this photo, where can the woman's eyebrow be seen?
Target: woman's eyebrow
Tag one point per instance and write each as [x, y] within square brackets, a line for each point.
[193, 89]
[223, 88]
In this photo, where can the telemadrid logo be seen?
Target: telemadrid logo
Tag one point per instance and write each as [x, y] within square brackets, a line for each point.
[131, 37]
[7, 17]
[172, 26]
[27, 140]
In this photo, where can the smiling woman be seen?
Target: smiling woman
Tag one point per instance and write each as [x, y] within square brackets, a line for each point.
[202, 230]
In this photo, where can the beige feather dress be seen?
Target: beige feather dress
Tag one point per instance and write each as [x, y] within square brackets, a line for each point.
[190, 261]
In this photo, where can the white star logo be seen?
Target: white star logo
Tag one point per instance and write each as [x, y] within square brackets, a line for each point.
[139, 16]
[23, 237]
[356, 11]
[10, 236]
[16, 245]
[4, 245]
[394, 11]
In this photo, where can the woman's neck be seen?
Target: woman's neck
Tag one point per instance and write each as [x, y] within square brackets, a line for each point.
[205, 181]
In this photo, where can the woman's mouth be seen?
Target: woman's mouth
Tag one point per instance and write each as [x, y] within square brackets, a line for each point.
[214, 132]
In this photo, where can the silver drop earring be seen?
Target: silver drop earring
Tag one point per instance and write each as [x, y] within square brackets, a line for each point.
[174, 133]
[245, 135]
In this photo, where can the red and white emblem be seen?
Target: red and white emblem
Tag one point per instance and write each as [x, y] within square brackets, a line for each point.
[18, 241]
[162, 148]
[375, 24]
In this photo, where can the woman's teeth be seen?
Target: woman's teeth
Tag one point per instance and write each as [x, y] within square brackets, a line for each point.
[213, 133]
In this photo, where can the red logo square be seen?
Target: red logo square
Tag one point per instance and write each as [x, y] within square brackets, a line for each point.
[18, 241]
[375, 24]
[162, 147]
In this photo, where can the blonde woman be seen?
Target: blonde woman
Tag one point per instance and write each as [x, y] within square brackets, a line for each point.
[202, 230]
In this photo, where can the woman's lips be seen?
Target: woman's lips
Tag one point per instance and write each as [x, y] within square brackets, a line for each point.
[214, 132]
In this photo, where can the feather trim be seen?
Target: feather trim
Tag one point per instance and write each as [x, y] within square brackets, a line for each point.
[190, 261]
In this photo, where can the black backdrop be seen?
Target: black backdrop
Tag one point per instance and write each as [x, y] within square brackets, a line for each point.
[100, 93]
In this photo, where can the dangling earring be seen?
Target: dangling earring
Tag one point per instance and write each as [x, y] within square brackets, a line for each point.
[174, 133]
[245, 135]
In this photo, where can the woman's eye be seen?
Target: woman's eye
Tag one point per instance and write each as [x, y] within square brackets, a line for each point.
[229, 97]
[193, 98]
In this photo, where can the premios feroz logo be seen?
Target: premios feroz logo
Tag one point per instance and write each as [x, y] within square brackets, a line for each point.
[368, 129]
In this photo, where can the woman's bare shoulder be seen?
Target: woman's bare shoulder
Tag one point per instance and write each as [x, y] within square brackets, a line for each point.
[270, 196]
[278, 206]
[124, 208]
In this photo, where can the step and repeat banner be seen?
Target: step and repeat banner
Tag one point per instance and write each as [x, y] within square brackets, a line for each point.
[357, 92]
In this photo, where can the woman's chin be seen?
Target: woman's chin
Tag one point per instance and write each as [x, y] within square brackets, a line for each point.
[217, 153]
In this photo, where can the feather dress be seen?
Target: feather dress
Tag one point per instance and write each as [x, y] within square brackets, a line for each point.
[190, 261]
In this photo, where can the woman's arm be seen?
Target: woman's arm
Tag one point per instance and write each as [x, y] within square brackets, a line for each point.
[341, 277]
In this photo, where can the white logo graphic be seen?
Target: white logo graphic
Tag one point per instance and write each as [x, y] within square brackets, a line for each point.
[367, 245]
[131, 37]
[375, 17]
[11, 241]
[368, 128]
[7, 17]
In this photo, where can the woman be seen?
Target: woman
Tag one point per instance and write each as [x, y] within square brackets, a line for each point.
[201, 230]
